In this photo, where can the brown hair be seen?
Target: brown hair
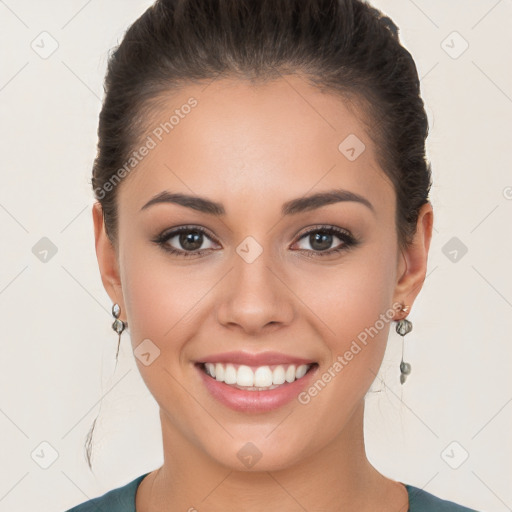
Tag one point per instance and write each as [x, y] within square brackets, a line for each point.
[343, 46]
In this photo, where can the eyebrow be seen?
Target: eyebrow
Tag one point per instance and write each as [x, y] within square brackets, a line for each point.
[293, 207]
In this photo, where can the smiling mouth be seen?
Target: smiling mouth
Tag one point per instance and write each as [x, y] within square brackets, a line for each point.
[256, 378]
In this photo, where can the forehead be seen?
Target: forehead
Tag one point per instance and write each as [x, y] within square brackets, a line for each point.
[242, 141]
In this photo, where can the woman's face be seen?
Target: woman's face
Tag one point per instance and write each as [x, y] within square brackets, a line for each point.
[266, 285]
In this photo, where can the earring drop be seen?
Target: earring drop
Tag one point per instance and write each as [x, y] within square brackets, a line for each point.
[404, 327]
[118, 325]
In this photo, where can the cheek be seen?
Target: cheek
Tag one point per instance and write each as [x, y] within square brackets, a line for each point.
[354, 312]
[351, 297]
[352, 307]
[159, 296]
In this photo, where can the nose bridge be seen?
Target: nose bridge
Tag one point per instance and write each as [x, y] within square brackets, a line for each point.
[253, 296]
[251, 273]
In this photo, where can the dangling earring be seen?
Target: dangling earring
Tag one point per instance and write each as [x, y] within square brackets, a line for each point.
[118, 325]
[404, 327]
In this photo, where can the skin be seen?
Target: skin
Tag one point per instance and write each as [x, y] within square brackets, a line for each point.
[252, 148]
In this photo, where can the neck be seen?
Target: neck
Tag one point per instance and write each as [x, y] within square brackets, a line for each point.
[336, 477]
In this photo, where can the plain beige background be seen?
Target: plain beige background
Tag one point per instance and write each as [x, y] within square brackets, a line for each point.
[447, 430]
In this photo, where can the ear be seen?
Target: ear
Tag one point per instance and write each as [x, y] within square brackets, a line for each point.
[413, 264]
[107, 260]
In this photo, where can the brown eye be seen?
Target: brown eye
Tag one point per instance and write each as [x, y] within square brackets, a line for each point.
[321, 239]
[190, 241]
[185, 241]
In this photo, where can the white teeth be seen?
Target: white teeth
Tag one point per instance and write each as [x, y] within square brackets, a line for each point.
[278, 375]
[261, 378]
[210, 368]
[230, 375]
[219, 372]
[301, 371]
[290, 373]
[244, 376]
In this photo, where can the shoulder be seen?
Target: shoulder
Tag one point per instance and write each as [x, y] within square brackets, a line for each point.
[121, 499]
[422, 501]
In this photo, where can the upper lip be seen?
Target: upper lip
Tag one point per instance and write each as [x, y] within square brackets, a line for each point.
[259, 359]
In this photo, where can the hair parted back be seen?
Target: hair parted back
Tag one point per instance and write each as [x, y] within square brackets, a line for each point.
[340, 46]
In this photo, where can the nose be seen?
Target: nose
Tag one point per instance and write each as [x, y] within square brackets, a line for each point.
[255, 297]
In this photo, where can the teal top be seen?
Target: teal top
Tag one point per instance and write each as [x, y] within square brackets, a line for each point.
[122, 499]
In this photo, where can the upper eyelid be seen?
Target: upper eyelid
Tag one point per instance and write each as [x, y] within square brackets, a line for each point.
[324, 227]
[172, 232]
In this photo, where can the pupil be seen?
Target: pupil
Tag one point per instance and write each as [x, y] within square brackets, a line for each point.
[325, 241]
[191, 241]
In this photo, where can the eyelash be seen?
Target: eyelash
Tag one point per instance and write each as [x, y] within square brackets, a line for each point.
[348, 240]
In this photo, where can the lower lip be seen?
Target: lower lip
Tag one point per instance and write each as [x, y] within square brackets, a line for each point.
[255, 401]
